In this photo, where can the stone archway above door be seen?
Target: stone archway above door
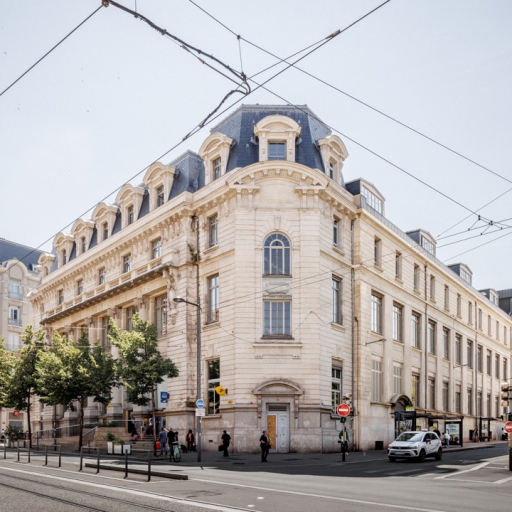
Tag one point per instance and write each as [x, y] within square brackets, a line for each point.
[400, 402]
[277, 388]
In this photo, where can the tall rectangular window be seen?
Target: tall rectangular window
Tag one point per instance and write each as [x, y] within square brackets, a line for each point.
[489, 406]
[497, 366]
[213, 382]
[61, 296]
[415, 390]
[130, 215]
[15, 289]
[479, 403]
[213, 231]
[377, 251]
[489, 322]
[336, 382]
[80, 287]
[160, 198]
[459, 305]
[446, 406]
[156, 248]
[480, 318]
[277, 318]
[489, 362]
[104, 331]
[431, 332]
[446, 343]
[397, 322]
[398, 265]
[14, 316]
[331, 169]
[480, 358]
[376, 381]
[447, 297]
[470, 401]
[276, 151]
[505, 369]
[213, 299]
[161, 315]
[470, 353]
[217, 167]
[470, 312]
[129, 318]
[496, 406]
[458, 349]
[335, 232]
[14, 342]
[83, 244]
[417, 276]
[376, 314]
[432, 393]
[416, 330]
[105, 230]
[397, 379]
[497, 330]
[432, 287]
[337, 297]
[102, 275]
[458, 399]
[127, 263]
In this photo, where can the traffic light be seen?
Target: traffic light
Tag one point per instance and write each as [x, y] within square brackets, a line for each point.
[505, 394]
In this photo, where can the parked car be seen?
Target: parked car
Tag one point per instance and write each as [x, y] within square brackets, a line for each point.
[415, 445]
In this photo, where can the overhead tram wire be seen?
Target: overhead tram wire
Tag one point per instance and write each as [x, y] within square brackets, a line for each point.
[388, 116]
[478, 246]
[50, 51]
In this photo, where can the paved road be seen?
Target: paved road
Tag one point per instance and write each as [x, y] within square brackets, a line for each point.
[474, 480]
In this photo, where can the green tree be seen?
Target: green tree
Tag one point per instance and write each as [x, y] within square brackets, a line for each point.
[71, 371]
[23, 385]
[141, 366]
[7, 362]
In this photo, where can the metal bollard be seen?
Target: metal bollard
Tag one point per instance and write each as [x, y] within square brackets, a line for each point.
[149, 465]
[98, 461]
[81, 458]
[126, 464]
[5, 448]
[18, 448]
[29, 452]
[46, 455]
[60, 457]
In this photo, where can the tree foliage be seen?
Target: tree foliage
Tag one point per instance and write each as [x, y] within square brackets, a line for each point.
[141, 366]
[69, 372]
[7, 362]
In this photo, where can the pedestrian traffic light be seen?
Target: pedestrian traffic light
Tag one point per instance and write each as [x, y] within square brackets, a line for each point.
[343, 419]
[505, 394]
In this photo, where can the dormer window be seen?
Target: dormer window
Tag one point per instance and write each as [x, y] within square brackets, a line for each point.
[371, 199]
[333, 153]
[83, 244]
[331, 169]
[160, 198]
[427, 245]
[129, 214]
[105, 230]
[64, 257]
[217, 169]
[277, 151]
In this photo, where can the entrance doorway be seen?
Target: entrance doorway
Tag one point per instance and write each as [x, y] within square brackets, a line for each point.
[278, 426]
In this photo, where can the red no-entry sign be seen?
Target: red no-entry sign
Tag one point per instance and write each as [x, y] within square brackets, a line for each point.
[344, 410]
[508, 427]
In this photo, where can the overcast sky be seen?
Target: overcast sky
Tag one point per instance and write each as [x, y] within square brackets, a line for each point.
[116, 95]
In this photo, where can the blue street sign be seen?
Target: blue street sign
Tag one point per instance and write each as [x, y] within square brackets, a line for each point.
[164, 397]
[200, 403]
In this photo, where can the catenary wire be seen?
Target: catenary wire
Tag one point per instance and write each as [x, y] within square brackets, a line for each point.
[478, 246]
[50, 51]
[498, 223]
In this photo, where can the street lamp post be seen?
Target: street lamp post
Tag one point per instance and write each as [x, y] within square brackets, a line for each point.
[198, 306]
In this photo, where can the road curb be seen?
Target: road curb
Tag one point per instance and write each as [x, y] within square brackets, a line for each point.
[162, 474]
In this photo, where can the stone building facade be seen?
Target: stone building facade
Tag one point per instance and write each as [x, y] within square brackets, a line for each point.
[301, 280]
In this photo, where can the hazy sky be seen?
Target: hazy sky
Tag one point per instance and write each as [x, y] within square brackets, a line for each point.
[116, 95]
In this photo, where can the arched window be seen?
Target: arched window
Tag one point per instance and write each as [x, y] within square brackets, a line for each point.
[276, 255]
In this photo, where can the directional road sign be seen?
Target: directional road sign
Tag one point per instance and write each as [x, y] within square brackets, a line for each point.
[343, 410]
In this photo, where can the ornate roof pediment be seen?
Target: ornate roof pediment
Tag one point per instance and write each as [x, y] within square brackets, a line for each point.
[274, 387]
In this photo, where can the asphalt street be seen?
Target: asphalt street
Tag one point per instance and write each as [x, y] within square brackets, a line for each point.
[470, 480]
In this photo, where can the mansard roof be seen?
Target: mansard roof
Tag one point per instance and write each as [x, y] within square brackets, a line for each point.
[12, 250]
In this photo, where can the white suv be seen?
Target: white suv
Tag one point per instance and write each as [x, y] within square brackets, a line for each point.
[415, 445]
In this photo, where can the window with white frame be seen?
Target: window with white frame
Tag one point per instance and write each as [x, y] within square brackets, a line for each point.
[432, 287]
[212, 312]
[415, 393]
[447, 297]
[127, 263]
[470, 312]
[156, 248]
[377, 381]
[458, 349]
[432, 393]
[431, 333]
[397, 322]
[161, 315]
[80, 287]
[446, 406]
[470, 401]
[277, 319]
[376, 313]
[337, 296]
[129, 318]
[216, 168]
[336, 232]
[102, 275]
[129, 215]
[398, 265]
[480, 358]
[377, 252]
[466, 276]
[497, 366]
[60, 294]
[277, 151]
[213, 383]
[160, 196]
[469, 348]
[331, 169]
[417, 276]
[104, 331]
[14, 315]
[416, 330]
[496, 406]
[213, 230]
[505, 369]
[15, 291]
[458, 399]
[446, 343]
[371, 199]
[14, 342]
[489, 406]
[459, 305]
[497, 330]
[276, 254]
[427, 245]
[397, 378]
[336, 388]
[480, 318]
[489, 322]
[489, 363]
[83, 244]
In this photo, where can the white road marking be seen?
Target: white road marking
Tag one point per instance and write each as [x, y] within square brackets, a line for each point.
[498, 482]
[476, 468]
[182, 501]
[404, 472]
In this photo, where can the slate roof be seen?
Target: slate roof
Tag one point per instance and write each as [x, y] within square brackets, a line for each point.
[12, 250]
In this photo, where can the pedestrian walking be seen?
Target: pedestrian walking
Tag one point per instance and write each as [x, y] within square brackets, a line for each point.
[264, 445]
[162, 437]
[191, 441]
[171, 436]
[226, 438]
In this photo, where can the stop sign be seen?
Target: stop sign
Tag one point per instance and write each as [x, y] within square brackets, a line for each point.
[508, 427]
[344, 410]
